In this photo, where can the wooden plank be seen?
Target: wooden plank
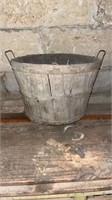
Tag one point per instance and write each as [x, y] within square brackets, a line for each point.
[42, 153]
[98, 109]
[12, 106]
[104, 197]
[57, 188]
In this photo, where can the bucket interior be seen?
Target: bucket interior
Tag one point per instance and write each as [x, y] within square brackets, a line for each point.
[56, 59]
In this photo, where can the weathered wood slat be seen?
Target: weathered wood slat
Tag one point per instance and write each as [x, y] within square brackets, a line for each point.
[56, 188]
[104, 197]
[34, 156]
[45, 153]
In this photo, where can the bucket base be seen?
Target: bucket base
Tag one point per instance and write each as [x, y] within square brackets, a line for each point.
[57, 111]
[40, 121]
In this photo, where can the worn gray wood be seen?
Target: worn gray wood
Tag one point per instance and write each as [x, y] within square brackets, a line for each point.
[44, 153]
[55, 104]
[56, 188]
[104, 197]
[61, 85]
[36, 159]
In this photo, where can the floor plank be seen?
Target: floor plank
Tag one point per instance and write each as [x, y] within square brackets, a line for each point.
[41, 153]
[105, 197]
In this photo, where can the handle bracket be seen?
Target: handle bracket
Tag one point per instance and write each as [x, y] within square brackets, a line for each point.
[104, 53]
[6, 54]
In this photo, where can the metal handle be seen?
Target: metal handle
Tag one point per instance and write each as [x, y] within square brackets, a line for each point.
[6, 54]
[104, 53]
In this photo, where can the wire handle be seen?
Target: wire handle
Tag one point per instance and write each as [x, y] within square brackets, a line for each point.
[104, 53]
[6, 54]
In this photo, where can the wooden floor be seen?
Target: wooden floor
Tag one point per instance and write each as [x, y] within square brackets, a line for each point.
[43, 159]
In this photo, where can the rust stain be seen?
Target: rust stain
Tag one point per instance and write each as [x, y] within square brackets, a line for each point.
[14, 120]
[97, 117]
[22, 118]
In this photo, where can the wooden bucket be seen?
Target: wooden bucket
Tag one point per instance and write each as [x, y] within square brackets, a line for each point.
[56, 87]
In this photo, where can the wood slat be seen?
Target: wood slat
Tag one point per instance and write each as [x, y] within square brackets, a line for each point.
[45, 153]
[40, 159]
[58, 189]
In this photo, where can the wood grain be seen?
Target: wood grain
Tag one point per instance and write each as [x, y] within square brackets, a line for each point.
[42, 153]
